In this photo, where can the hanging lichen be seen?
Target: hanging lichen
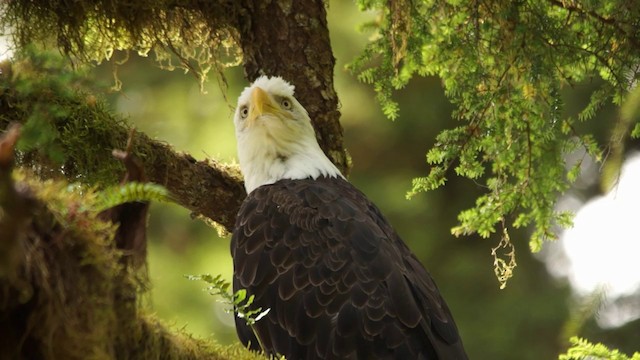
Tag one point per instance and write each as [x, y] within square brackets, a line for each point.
[193, 36]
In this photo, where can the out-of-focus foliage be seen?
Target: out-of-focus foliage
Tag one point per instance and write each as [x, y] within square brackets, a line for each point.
[583, 349]
[631, 112]
[503, 65]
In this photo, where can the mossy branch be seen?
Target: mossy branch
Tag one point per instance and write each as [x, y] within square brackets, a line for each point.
[207, 188]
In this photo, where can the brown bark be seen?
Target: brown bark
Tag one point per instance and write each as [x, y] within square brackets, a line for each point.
[207, 188]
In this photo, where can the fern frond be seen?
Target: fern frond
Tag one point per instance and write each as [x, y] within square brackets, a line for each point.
[238, 302]
[130, 192]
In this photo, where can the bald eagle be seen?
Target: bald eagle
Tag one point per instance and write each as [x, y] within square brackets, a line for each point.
[337, 279]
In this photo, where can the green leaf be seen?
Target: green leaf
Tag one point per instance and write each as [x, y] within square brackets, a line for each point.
[239, 296]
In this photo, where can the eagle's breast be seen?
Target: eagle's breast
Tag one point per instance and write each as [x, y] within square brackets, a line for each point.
[337, 279]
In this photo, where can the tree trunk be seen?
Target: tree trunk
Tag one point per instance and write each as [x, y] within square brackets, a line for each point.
[66, 289]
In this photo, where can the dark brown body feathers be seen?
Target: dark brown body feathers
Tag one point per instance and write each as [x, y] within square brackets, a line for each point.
[339, 281]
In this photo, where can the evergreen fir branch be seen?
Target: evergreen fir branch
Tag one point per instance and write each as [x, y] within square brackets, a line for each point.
[598, 99]
[502, 65]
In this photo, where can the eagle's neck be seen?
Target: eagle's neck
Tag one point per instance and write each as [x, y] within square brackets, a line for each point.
[262, 165]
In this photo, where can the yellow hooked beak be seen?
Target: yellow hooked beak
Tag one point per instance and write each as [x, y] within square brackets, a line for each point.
[261, 104]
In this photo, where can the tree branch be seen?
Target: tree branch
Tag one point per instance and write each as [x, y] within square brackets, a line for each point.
[207, 188]
[88, 134]
[612, 22]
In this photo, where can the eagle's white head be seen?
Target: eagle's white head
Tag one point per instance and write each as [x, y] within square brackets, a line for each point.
[275, 137]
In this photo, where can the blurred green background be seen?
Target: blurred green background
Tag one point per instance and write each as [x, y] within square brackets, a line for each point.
[527, 318]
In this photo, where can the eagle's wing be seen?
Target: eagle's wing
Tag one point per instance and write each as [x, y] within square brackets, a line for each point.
[337, 279]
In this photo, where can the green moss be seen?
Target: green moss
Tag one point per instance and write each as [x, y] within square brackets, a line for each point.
[180, 345]
[68, 279]
[72, 296]
[60, 119]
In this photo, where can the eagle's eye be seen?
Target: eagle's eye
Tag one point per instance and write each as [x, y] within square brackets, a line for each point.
[286, 104]
[244, 112]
